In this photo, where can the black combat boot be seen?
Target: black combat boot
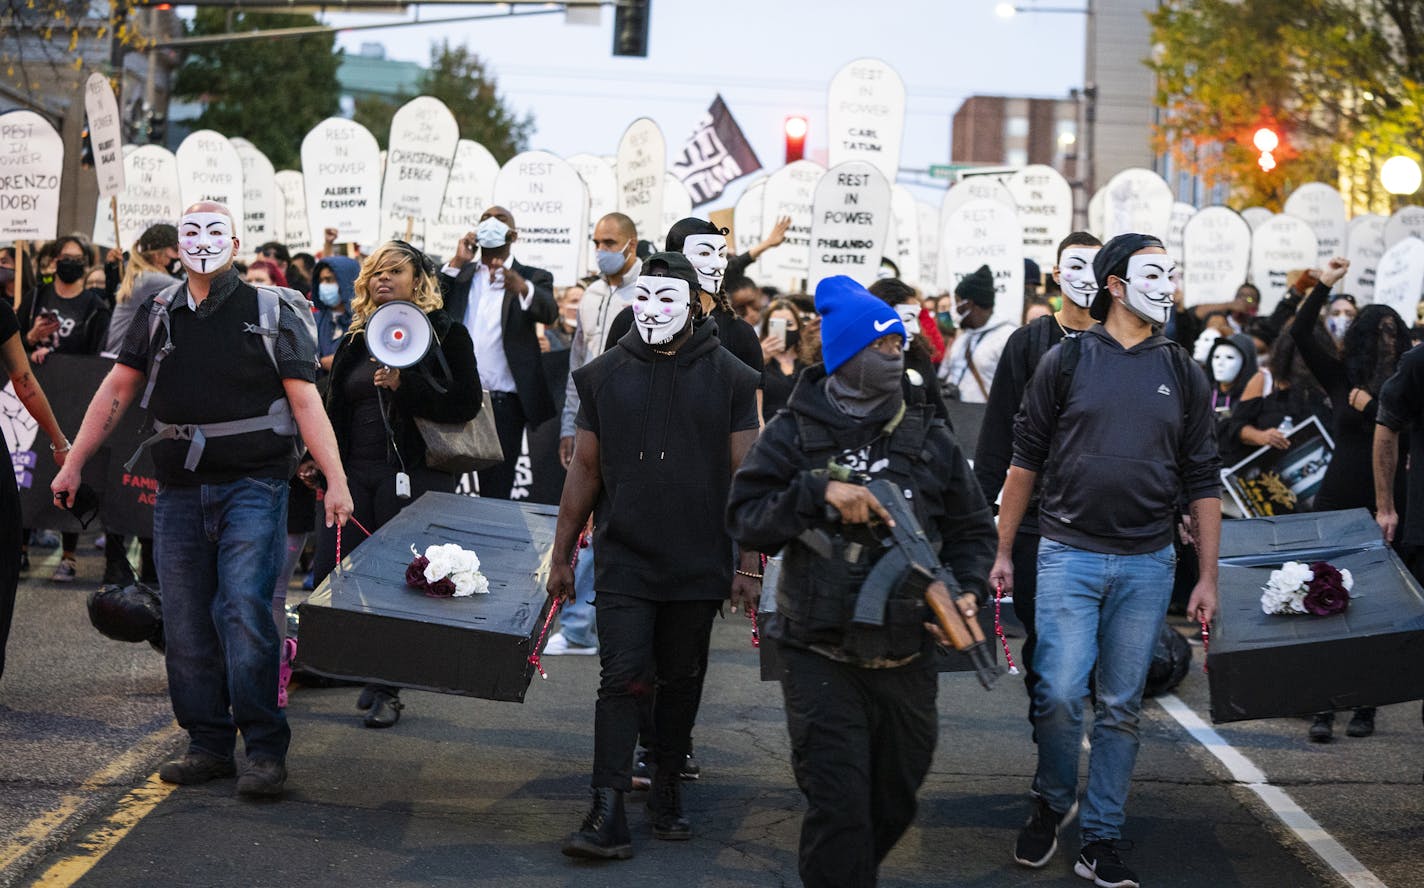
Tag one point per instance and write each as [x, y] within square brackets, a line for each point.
[604, 834]
[665, 802]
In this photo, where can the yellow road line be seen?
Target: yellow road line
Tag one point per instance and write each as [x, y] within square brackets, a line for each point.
[69, 805]
[131, 809]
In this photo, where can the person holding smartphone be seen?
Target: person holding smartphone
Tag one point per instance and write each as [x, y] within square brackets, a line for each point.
[785, 352]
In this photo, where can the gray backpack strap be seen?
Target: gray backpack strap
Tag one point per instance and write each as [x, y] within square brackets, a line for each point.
[278, 420]
[269, 320]
[158, 317]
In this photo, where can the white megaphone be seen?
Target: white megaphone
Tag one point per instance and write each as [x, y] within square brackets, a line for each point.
[398, 335]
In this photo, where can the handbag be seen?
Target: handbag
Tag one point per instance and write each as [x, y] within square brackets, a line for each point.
[460, 447]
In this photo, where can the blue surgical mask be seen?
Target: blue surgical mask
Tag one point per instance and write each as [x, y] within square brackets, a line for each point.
[491, 233]
[329, 294]
[610, 261]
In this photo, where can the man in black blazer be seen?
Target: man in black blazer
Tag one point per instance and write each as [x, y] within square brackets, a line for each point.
[500, 300]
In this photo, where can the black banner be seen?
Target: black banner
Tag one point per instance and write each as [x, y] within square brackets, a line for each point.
[716, 153]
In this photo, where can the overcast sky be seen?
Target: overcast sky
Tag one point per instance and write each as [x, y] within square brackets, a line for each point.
[768, 59]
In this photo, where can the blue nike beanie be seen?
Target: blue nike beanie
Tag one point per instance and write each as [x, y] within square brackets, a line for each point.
[851, 319]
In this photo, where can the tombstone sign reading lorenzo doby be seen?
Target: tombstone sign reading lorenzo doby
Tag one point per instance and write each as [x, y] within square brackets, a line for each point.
[31, 162]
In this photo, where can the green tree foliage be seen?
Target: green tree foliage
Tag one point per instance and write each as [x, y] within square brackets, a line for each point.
[458, 78]
[1341, 81]
[271, 92]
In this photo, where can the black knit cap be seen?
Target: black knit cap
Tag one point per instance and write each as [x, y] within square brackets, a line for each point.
[978, 287]
[1112, 260]
[158, 237]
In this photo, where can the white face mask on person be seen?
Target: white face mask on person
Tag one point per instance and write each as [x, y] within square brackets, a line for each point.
[1225, 365]
[1338, 325]
[205, 242]
[1075, 275]
[661, 306]
[708, 255]
[329, 294]
[1150, 290]
[491, 233]
[910, 317]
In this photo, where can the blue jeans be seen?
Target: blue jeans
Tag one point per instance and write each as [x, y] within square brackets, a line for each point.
[1094, 609]
[218, 549]
[576, 618]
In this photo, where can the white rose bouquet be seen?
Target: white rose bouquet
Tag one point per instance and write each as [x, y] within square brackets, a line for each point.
[446, 571]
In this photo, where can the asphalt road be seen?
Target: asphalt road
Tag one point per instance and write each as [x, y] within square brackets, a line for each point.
[472, 792]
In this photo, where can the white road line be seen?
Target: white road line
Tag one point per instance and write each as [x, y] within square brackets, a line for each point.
[1245, 773]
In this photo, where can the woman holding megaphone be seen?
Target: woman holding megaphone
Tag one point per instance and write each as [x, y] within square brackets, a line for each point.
[373, 405]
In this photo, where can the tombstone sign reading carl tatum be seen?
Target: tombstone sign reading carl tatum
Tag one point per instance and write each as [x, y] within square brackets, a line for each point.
[986, 232]
[1399, 282]
[849, 223]
[1406, 222]
[789, 192]
[260, 199]
[419, 154]
[150, 195]
[341, 167]
[905, 224]
[1045, 205]
[1279, 246]
[1137, 200]
[549, 204]
[467, 195]
[105, 135]
[1216, 247]
[31, 162]
[642, 165]
[295, 233]
[1323, 209]
[1364, 245]
[746, 221]
[866, 116]
[209, 168]
[601, 180]
[677, 204]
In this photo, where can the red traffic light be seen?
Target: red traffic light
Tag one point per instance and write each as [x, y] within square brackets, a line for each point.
[795, 128]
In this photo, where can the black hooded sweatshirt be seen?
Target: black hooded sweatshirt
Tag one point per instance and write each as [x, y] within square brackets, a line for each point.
[1130, 437]
[664, 426]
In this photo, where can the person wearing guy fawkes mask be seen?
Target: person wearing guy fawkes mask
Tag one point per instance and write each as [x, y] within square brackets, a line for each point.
[860, 705]
[665, 417]
[1118, 421]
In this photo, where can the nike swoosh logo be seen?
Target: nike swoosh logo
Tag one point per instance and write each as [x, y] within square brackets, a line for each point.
[882, 326]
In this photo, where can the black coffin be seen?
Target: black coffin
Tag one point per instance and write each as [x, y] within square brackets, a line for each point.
[1301, 537]
[364, 624]
[1267, 666]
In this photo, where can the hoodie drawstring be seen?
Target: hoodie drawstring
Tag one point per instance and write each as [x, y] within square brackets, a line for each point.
[667, 415]
[647, 403]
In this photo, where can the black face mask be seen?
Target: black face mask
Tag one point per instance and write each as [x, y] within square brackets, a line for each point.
[6, 276]
[866, 382]
[70, 270]
[175, 267]
[793, 339]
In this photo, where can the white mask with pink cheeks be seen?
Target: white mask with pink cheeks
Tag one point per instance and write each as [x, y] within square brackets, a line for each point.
[708, 255]
[1075, 275]
[660, 307]
[205, 242]
[1151, 286]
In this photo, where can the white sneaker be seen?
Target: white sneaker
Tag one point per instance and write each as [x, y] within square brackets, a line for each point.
[558, 644]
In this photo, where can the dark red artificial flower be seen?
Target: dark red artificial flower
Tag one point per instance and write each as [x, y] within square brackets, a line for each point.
[1326, 594]
[415, 573]
[441, 588]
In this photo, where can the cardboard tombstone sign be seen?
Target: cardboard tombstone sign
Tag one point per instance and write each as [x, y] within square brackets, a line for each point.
[150, 196]
[33, 163]
[260, 200]
[1399, 280]
[677, 204]
[1137, 201]
[419, 154]
[295, 233]
[549, 204]
[601, 179]
[1176, 229]
[1323, 209]
[1406, 222]
[341, 169]
[641, 167]
[468, 193]
[986, 232]
[1256, 216]
[1364, 245]
[105, 135]
[930, 280]
[850, 223]
[746, 221]
[790, 191]
[1216, 246]
[904, 247]
[1278, 247]
[961, 193]
[1097, 212]
[209, 168]
[866, 116]
[1044, 200]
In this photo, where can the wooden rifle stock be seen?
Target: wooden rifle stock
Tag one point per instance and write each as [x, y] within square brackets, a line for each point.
[963, 633]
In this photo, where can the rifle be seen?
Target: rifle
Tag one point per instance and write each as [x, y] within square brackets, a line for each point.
[910, 559]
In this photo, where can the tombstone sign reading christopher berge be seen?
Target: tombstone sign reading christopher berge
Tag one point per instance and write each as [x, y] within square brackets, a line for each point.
[849, 223]
[866, 116]
[419, 154]
[1216, 247]
[209, 168]
[341, 168]
[1364, 245]
[986, 232]
[105, 135]
[641, 167]
[1044, 200]
[1278, 247]
[150, 196]
[789, 192]
[31, 163]
[467, 195]
[259, 193]
[549, 204]
[1323, 209]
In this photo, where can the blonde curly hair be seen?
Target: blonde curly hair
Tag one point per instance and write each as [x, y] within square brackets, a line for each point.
[387, 257]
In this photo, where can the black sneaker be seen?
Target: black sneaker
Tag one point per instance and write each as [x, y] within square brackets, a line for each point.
[1100, 862]
[1039, 837]
[1362, 723]
[196, 767]
[262, 778]
[1323, 728]
[691, 770]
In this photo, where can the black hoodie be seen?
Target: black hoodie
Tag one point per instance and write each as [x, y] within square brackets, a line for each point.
[1131, 435]
[664, 426]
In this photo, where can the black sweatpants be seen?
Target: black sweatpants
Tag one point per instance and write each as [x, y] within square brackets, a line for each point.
[861, 745]
[646, 648]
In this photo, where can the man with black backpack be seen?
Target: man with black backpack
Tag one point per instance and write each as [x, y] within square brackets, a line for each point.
[1118, 422]
[233, 401]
